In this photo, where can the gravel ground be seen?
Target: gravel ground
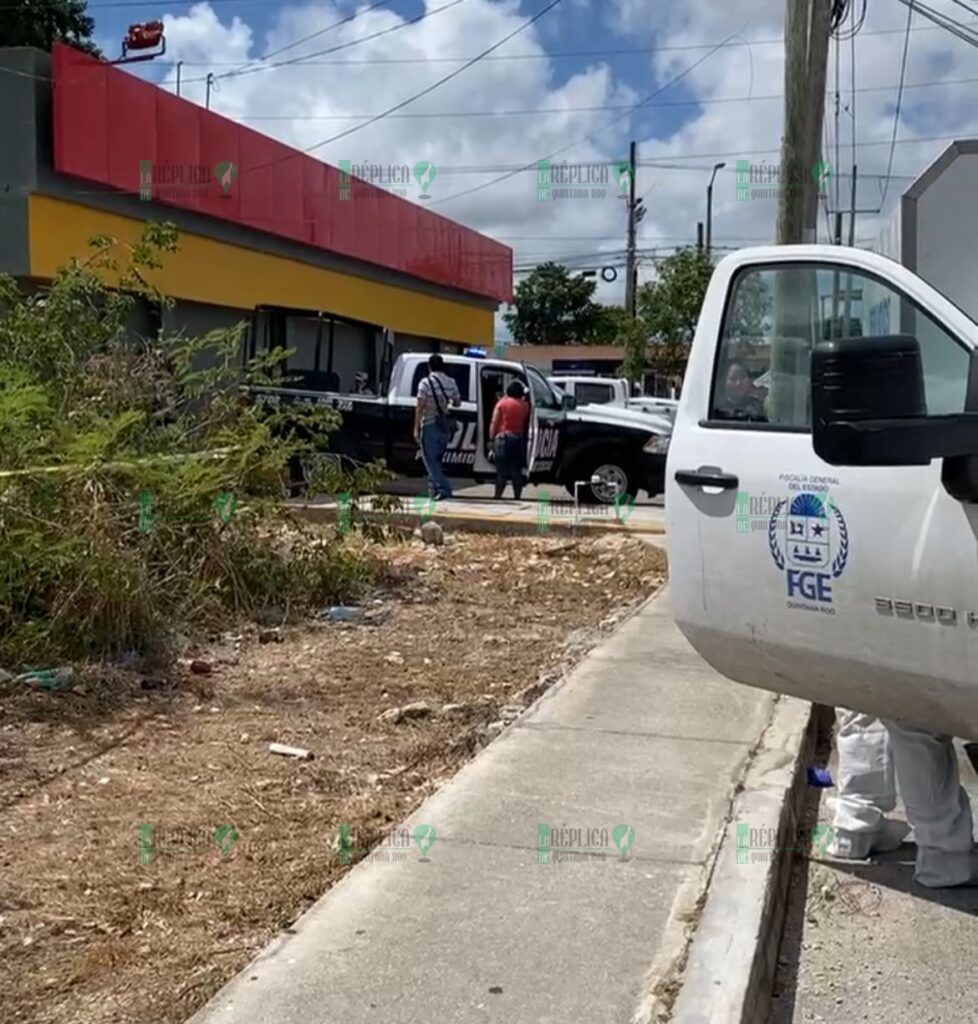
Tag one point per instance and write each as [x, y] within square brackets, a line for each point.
[151, 844]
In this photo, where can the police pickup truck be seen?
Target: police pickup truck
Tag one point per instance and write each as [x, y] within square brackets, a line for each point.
[822, 486]
[608, 450]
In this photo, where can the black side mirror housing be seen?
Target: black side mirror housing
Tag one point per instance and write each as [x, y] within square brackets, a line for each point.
[856, 381]
[869, 406]
[568, 401]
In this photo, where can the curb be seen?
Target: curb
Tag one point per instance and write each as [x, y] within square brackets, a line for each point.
[732, 960]
[477, 523]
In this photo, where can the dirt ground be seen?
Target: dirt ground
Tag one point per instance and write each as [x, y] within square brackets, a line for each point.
[151, 844]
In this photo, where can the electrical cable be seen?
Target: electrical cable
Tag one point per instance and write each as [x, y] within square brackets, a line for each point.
[541, 55]
[441, 81]
[530, 112]
[614, 121]
[899, 102]
[332, 49]
[312, 35]
[970, 10]
[952, 26]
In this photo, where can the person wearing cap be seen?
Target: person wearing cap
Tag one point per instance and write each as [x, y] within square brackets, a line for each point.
[507, 434]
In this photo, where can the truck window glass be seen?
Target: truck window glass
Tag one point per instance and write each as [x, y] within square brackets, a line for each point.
[543, 393]
[774, 316]
[459, 372]
[597, 394]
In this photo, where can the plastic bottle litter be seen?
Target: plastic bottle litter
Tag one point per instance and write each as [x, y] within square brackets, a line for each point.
[49, 678]
[344, 613]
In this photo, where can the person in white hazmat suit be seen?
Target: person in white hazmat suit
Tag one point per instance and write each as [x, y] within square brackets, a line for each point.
[875, 757]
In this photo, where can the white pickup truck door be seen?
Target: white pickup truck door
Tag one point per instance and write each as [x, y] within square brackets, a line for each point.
[851, 586]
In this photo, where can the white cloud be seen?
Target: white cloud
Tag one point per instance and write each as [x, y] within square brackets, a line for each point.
[713, 131]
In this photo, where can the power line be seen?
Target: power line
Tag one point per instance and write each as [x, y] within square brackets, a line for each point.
[899, 102]
[952, 26]
[527, 112]
[664, 164]
[334, 49]
[541, 55]
[614, 121]
[441, 81]
[313, 35]
[970, 10]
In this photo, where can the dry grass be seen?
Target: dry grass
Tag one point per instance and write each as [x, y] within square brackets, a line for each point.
[88, 933]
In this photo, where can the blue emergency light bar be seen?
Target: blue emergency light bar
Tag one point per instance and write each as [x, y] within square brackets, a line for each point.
[475, 353]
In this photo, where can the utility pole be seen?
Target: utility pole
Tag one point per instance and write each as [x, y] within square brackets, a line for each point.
[179, 69]
[852, 203]
[631, 272]
[709, 207]
[210, 82]
[806, 34]
[806, 40]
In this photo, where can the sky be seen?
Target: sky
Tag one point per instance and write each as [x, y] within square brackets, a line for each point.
[704, 76]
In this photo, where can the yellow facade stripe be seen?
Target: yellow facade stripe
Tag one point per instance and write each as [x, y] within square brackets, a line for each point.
[206, 270]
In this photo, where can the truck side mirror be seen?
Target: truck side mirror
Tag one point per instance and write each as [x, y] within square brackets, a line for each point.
[567, 401]
[869, 406]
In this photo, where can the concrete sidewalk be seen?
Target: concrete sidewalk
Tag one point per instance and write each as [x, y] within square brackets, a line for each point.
[643, 745]
[524, 516]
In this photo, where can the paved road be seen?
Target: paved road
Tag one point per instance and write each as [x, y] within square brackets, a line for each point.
[638, 750]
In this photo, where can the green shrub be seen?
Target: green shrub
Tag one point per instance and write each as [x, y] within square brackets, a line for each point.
[140, 494]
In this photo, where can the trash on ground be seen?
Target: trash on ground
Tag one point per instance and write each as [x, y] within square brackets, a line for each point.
[286, 751]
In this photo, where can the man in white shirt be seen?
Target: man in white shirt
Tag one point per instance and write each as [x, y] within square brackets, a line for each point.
[433, 424]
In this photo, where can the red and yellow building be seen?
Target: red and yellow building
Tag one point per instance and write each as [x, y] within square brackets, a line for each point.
[92, 150]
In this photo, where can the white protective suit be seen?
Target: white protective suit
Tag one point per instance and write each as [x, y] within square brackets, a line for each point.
[937, 807]
[873, 757]
[865, 787]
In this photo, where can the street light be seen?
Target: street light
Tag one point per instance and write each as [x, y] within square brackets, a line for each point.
[709, 207]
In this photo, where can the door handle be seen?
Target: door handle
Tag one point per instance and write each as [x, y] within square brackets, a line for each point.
[707, 478]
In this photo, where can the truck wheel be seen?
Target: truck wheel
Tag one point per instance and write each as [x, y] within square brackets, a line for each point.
[611, 474]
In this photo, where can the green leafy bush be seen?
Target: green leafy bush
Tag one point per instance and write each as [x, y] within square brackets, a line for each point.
[140, 492]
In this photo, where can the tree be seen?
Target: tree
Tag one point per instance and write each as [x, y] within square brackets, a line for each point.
[611, 326]
[635, 337]
[42, 23]
[751, 308]
[553, 308]
[670, 306]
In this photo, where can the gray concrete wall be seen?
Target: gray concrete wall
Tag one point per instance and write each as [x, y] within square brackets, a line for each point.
[23, 95]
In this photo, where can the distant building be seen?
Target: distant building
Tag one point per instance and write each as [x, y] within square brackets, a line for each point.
[585, 361]
[932, 232]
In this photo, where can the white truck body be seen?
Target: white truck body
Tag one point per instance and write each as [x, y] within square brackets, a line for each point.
[613, 392]
[851, 585]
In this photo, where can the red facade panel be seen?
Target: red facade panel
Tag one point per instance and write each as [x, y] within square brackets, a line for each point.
[176, 160]
[219, 145]
[106, 122]
[133, 103]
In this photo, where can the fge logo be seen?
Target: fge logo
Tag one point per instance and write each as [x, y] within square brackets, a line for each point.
[816, 545]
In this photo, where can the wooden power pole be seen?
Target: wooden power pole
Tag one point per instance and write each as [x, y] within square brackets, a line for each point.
[631, 268]
[806, 42]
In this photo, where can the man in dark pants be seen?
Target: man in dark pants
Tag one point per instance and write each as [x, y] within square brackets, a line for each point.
[438, 394]
[507, 433]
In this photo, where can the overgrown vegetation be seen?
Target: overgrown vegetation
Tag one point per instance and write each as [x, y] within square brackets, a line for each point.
[140, 493]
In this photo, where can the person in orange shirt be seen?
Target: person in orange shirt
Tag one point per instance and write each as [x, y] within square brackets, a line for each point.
[507, 434]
